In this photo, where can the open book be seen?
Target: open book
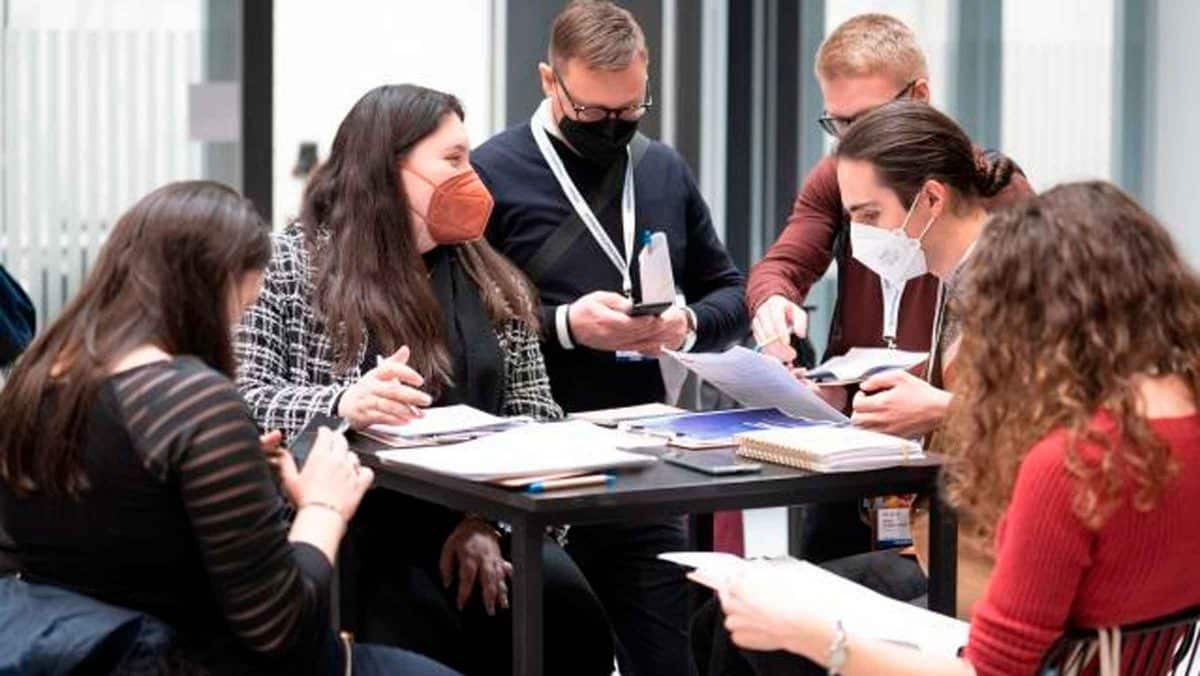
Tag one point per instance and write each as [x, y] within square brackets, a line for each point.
[828, 448]
[861, 363]
[862, 612]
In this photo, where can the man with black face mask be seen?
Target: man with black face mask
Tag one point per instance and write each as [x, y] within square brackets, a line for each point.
[576, 188]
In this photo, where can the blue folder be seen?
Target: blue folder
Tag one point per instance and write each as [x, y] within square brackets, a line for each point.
[716, 428]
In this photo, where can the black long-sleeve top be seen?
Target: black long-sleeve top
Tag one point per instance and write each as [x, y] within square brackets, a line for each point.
[182, 520]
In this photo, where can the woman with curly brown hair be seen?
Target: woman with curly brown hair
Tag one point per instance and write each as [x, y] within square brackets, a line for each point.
[1074, 436]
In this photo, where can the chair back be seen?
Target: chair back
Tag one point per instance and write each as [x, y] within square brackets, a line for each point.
[1165, 646]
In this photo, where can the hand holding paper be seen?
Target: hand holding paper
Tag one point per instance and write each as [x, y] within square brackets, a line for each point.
[769, 603]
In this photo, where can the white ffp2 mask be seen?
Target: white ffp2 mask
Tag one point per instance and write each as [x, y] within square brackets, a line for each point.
[891, 254]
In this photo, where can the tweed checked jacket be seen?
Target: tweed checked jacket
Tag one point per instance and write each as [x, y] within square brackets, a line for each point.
[286, 356]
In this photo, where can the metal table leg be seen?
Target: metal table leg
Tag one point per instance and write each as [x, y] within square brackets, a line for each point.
[943, 555]
[527, 629]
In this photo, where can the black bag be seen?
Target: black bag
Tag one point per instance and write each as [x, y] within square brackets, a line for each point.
[18, 321]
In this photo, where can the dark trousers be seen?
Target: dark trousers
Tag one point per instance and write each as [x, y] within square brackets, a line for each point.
[645, 597]
[397, 598]
[377, 660]
[834, 530]
[886, 572]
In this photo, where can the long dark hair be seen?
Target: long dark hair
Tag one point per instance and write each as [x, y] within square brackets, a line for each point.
[909, 142]
[164, 278]
[369, 275]
[1091, 294]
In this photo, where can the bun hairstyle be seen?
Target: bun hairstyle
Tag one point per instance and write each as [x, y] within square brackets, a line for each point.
[910, 142]
[993, 172]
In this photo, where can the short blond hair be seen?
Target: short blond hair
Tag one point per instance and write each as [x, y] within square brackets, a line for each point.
[601, 34]
[871, 44]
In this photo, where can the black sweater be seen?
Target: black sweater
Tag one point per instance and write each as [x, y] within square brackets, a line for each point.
[183, 521]
[530, 204]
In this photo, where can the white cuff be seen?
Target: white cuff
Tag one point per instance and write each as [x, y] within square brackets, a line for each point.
[690, 341]
[560, 325]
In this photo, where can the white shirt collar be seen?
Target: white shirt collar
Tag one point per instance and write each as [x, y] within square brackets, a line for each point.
[546, 115]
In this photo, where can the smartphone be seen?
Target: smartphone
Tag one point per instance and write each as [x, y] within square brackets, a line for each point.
[716, 463]
[644, 309]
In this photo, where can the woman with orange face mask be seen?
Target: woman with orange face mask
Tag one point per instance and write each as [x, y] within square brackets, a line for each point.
[389, 249]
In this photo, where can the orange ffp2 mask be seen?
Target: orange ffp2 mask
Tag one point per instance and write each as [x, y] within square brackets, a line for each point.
[459, 208]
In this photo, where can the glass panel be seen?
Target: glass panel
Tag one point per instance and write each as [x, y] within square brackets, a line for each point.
[95, 115]
[327, 55]
[1058, 87]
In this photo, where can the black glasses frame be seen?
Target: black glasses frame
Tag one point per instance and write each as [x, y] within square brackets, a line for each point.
[600, 113]
[836, 126]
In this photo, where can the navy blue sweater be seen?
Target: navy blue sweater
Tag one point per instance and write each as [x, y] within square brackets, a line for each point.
[530, 204]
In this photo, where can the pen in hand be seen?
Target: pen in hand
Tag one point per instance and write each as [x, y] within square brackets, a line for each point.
[415, 411]
[763, 345]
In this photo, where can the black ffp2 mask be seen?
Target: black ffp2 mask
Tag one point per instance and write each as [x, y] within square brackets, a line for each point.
[602, 142]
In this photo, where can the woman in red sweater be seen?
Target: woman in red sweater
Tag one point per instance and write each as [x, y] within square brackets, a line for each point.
[1075, 438]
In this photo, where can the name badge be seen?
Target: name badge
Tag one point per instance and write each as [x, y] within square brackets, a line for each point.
[893, 521]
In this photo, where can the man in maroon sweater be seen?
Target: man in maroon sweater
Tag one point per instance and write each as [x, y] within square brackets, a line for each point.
[869, 60]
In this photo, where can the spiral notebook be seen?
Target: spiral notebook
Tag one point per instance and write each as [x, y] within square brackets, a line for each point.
[828, 448]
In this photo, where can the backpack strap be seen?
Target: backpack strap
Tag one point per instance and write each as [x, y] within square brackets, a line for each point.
[572, 228]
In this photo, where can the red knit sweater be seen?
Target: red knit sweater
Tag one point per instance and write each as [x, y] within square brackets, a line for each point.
[1052, 572]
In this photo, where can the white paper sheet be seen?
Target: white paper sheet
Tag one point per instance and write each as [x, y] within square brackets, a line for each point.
[758, 381]
[529, 450]
[861, 611]
[439, 420]
[611, 417]
[861, 362]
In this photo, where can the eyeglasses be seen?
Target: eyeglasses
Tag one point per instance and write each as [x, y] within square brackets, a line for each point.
[836, 126]
[598, 113]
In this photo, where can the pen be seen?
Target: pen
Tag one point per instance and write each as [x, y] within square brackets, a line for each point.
[573, 482]
[761, 346]
[415, 411]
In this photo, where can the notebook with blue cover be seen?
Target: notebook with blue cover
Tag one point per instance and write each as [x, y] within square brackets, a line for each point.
[716, 428]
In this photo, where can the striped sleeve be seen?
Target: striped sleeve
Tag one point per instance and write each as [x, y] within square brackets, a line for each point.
[193, 429]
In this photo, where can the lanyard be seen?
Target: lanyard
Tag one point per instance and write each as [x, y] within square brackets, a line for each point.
[628, 214]
[892, 295]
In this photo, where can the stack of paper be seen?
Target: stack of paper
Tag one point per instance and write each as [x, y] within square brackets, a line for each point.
[861, 363]
[863, 613]
[438, 425]
[611, 417]
[755, 380]
[534, 450]
[828, 448]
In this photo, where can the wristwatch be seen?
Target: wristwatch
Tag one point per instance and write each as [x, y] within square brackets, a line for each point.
[837, 650]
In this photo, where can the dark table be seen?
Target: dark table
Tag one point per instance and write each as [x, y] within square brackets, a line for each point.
[656, 491]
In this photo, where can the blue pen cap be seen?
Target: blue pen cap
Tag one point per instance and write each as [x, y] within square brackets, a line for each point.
[646, 235]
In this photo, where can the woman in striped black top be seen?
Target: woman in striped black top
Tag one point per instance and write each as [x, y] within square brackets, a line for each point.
[132, 472]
